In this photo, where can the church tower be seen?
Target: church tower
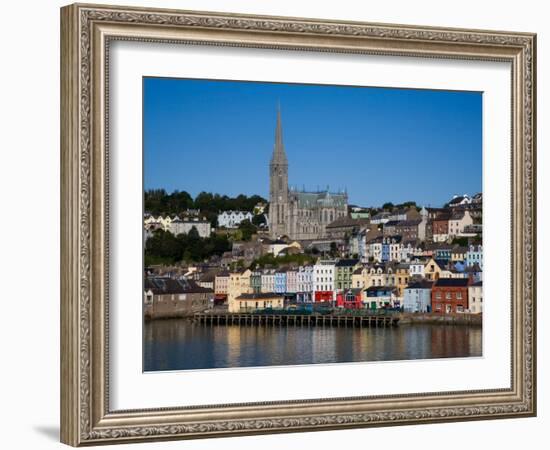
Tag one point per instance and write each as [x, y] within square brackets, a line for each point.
[278, 184]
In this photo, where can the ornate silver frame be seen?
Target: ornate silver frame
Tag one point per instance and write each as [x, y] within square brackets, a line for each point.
[86, 31]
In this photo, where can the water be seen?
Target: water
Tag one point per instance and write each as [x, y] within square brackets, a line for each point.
[178, 344]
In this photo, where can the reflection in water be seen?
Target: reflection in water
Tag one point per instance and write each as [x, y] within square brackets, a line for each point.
[178, 344]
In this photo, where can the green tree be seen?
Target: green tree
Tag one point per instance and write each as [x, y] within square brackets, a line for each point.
[162, 248]
[462, 241]
[247, 230]
[259, 219]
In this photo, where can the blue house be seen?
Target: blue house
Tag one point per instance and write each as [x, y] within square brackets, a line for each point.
[385, 255]
[280, 282]
[442, 253]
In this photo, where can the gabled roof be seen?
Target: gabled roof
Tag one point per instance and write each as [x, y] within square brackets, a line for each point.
[457, 215]
[162, 286]
[380, 288]
[392, 223]
[422, 284]
[452, 282]
[409, 223]
[347, 262]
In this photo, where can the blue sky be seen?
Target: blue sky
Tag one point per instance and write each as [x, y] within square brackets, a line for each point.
[381, 144]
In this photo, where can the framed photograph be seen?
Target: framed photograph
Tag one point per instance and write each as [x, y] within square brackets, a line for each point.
[276, 224]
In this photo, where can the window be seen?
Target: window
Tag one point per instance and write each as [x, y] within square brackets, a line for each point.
[438, 295]
[459, 295]
[448, 295]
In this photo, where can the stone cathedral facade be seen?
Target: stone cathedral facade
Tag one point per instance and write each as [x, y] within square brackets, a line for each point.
[297, 214]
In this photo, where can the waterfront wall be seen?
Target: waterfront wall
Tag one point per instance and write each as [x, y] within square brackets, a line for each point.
[441, 319]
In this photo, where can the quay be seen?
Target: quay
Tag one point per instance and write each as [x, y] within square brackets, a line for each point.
[295, 320]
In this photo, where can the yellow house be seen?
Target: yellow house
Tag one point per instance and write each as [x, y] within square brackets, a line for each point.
[432, 271]
[239, 283]
[359, 278]
[259, 301]
[401, 278]
[377, 276]
[458, 254]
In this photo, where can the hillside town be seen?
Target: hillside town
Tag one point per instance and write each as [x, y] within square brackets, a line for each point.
[419, 261]
[312, 251]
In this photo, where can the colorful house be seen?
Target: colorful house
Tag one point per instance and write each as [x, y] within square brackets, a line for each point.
[391, 248]
[253, 302]
[323, 281]
[349, 299]
[380, 297]
[304, 282]
[280, 282]
[417, 297]
[475, 298]
[343, 272]
[474, 255]
[268, 280]
[450, 295]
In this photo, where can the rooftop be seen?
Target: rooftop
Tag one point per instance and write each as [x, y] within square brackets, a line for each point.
[347, 262]
[164, 285]
[452, 282]
[422, 284]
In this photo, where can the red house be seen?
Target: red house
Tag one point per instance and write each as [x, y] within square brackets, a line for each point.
[323, 296]
[349, 299]
[450, 295]
[440, 225]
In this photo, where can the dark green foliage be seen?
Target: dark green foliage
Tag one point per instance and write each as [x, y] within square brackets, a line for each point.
[247, 230]
[159, 202]
[406, 204]
[165, 248]
[462, 241]
[259, 219]
[268, 260]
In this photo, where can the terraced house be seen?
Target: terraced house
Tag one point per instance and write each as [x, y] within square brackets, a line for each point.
[168, 297]
[343, 273]
[450, 295]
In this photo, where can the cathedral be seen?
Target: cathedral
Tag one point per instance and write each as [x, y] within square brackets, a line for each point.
[297, 214]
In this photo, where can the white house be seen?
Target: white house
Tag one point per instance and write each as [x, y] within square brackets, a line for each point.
[417, 297]
[232, 219]
[291, 281]
[460, 200]
[380, 218]
[458, 221]
[416, 268]
[374, 249]
[409, 250]
[304, 283]
[474, 255]
[475, 298]
[323, 276]
[268, 281]
[178, 226]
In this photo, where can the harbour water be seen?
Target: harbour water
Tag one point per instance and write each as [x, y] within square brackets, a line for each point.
[178, 344]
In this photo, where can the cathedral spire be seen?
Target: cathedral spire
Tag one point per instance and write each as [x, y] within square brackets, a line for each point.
[279, 154]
